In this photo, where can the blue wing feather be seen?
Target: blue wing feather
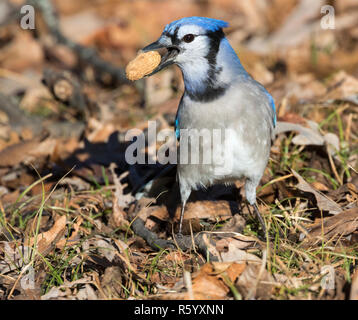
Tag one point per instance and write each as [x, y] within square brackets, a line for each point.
[176, 126]
[272, 104]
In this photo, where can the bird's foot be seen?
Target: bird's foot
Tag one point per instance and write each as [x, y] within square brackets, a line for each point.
[179, 236]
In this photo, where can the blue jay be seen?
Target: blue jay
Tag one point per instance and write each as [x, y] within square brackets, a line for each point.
[219, 94]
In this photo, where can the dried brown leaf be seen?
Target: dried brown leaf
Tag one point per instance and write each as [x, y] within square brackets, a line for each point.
[306, 136]
[231, 269]
[111, 281]
[86, 293]
[207, 286]
[73, 239]
[21, 53]
[120, 200]
[46, 241]
[26, 151]
[323, 202]
[334, 227]
[238, 241]
[343, 87]
[207, 209]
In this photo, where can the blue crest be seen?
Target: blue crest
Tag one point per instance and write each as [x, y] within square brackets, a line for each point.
[206, 23]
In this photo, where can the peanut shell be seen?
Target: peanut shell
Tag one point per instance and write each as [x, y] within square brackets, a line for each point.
[143, 64]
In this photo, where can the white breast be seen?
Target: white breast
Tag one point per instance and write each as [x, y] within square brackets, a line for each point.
[247, 138]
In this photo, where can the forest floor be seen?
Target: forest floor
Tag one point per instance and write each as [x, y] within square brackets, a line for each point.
[78, 222]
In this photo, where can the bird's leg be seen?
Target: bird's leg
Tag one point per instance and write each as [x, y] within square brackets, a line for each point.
[250, 190]
[184, 195]
[259, 216]
[181, 218]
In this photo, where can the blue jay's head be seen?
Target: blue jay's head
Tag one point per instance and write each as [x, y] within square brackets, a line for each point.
[189, 41]
[199, 47]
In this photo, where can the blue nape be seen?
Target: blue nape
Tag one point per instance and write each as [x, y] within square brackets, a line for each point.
[206, 23]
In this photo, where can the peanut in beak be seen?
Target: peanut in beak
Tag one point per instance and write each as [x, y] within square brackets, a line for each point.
[143, 64]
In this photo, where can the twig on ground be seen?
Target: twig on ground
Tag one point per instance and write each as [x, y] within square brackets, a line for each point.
[184, 242]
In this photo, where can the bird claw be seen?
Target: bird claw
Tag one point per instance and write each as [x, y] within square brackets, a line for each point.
[179, 236]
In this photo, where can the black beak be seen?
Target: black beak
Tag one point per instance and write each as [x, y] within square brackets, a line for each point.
[168, 54]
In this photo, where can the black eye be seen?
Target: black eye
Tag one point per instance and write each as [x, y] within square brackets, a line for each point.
[188, 38]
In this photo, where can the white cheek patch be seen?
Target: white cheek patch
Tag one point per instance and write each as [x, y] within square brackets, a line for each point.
[192, 60]
[195, 51]
[199, 47]
[190, 28]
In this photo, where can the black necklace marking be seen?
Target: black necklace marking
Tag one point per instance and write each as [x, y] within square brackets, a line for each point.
[209, 94]
[211, 91]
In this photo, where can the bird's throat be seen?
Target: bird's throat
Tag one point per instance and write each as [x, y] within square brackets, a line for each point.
[201, 81]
